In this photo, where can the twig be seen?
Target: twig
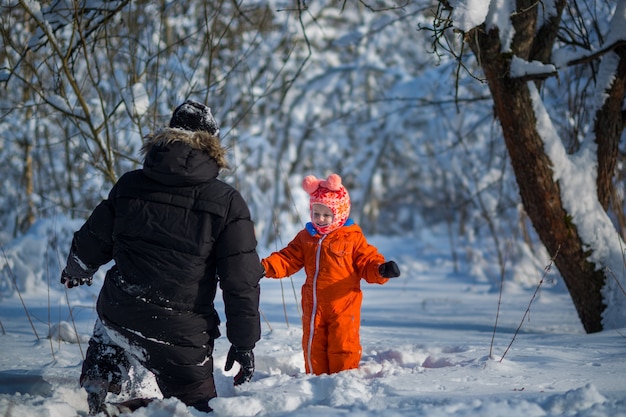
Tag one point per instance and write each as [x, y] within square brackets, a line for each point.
[545, 272]
[67, 300]
[282, 294]
[19, 293]
[619, 284]
[295, 296]
[495, 325]
[49, 322]
[623, 252]
[265, 318]
[597, 54]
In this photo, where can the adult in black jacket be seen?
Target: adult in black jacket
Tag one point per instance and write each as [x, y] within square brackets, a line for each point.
[174, 230]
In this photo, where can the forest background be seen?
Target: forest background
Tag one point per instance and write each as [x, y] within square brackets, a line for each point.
[371, 90]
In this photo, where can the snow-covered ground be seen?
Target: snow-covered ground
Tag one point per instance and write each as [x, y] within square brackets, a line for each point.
[426, 336]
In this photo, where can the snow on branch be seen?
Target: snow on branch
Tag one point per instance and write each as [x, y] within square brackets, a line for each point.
[533, 70]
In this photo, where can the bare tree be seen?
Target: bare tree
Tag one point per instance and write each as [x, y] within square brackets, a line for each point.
[99, 76]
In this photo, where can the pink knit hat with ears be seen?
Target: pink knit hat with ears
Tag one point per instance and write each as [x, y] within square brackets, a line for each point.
[331, 193]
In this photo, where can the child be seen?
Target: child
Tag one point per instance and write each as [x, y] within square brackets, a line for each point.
[335, 256]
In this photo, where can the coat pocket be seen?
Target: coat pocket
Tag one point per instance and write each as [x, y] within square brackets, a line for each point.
[341, 248]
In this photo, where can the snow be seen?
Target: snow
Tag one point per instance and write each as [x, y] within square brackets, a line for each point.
[430, 343]
[140, 99]
[617, 30]
[426, 336]
[499, 17]
[521, 68]
[469, 13]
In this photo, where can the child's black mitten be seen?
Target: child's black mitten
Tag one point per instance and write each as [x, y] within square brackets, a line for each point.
[389, 270]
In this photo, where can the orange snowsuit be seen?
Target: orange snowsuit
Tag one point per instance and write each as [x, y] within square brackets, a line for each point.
[331, 295]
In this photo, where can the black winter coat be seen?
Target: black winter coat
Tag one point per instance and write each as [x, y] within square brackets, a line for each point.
[172, 229]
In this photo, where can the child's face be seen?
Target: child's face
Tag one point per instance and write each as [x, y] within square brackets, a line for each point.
[321, 215]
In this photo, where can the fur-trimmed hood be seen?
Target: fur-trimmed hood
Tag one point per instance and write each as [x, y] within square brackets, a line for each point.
[199, 140]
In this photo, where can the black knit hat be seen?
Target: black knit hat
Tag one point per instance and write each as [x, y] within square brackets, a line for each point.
[194, 116]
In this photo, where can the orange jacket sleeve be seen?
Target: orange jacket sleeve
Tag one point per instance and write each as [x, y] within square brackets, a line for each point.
[285, 262]
[367, 261]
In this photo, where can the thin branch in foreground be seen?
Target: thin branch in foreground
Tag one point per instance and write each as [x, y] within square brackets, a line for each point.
[265, 318]
[597, 54]
[543, 277]
[69, 308]
[49, 317]
[282, 293]
[619, 284]
[495, 325]
[19, 293]
[67, 300]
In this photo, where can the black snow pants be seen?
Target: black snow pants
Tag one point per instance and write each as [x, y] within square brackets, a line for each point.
[181, 372]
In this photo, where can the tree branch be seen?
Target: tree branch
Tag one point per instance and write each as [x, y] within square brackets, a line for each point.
[588, 58]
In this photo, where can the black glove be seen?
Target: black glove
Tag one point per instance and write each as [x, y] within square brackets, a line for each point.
[76, 272]
[71, 282]
[389, 270]
[245, 358]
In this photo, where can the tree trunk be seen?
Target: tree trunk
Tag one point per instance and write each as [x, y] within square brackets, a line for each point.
[540, 195]
[608, 128]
